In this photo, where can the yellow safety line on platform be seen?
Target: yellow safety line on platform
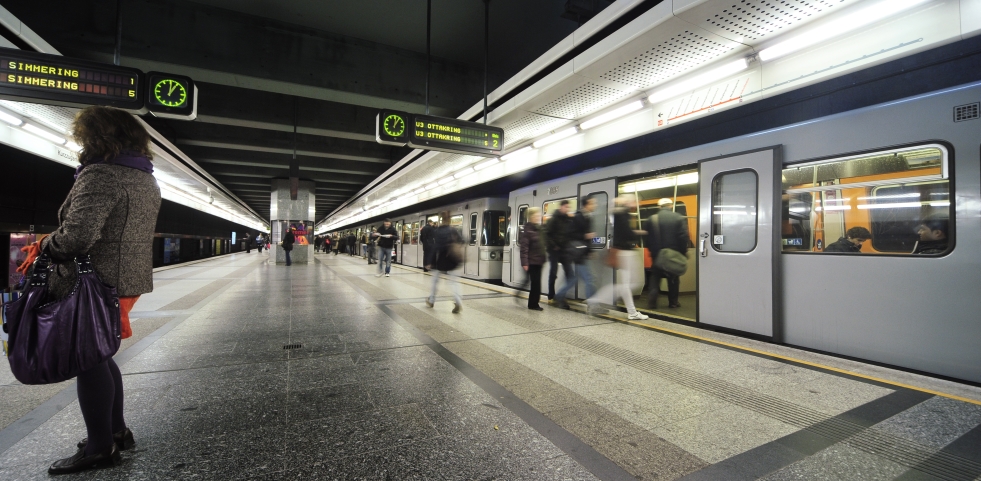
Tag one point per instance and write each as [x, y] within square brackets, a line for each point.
[737, 346]
[798, 361]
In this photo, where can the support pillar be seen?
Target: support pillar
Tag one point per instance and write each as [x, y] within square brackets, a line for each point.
[285, 213]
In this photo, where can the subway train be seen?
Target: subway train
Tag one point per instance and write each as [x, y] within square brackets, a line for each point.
[482, 222]
[762, 211]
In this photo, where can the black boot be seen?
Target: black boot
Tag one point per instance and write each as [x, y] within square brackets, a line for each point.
[81, 462]
[123, 439]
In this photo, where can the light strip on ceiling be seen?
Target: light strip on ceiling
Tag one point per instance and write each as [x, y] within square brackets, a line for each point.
[44, 133]
[486, 164]
[518, 152]
[445, 180]
[612, 115]
[10, 118]
[551, 139]
[699, 81]
[846, 24]
[463, 173]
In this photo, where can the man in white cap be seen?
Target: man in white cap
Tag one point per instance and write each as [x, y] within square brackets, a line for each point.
[666, 229]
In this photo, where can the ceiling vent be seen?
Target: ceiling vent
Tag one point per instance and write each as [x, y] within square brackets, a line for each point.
[581, 101]
[674, 56]
[755, 19]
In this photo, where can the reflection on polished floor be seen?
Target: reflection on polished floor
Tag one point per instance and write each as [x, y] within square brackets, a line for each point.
[376, 385]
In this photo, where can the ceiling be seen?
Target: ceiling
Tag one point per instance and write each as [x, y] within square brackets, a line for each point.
[321, 67]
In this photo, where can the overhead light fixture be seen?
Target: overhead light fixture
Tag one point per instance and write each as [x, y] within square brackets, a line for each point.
[699, 81]
[432, 185]
[486, 164]
[463, 173]
[10, 118]
[419, 190]
[612, 115]
[44, 134]
[518, 152]
[445, 180]
[860, 18]
[551, 139]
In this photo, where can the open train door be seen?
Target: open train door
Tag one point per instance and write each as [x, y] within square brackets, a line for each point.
[739, 242]
[603, 192]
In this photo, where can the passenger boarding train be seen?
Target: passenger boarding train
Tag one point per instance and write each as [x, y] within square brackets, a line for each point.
[763, 208]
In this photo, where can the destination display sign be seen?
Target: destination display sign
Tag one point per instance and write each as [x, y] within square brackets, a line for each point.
[436, 133]
[52, 79]
[453, 135]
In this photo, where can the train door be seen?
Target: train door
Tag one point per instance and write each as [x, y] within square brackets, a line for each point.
[472, 250]
[738, 242]
[400, 241]
[521, 205]
[601, 221]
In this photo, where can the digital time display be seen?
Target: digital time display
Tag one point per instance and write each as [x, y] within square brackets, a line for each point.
[436, 133]
[30, 76]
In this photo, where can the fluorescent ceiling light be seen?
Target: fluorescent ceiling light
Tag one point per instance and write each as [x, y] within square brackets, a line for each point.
[463, 173]
[432, 185]
[862, 17]
[515, 153]
[562, 134]
[689, 178]
[73, 146]
[445, 180]
[44, 134]
[699, 81]
[419, 190]
[612, 115]
[486, 164]
[833, 207]
[894, 205]
[896, 196]
[10, 118]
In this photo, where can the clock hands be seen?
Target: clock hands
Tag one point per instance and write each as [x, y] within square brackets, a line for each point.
[173, 85]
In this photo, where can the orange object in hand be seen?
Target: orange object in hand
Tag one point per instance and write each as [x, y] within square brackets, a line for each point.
[32, 250]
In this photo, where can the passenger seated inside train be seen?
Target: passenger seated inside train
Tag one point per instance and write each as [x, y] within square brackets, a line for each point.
[933, 236]
[851, 242]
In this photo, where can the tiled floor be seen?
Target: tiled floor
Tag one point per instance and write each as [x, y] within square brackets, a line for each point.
[385, 387]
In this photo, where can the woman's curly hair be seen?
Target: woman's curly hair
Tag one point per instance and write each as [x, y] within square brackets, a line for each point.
[105, 132]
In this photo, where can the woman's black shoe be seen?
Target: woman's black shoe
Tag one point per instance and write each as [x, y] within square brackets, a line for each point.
[123, 439]
[537, 308]
[81, 462]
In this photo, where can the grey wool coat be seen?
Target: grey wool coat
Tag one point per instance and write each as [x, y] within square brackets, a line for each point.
[110, 214]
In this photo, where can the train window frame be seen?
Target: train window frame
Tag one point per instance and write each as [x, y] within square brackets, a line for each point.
[574, 200]
[947, 175]
[485, 223]
[473, 228]
[756, 218]
[522, 220]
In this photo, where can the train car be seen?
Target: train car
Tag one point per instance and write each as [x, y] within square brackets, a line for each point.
[777, 221]
[483, 224]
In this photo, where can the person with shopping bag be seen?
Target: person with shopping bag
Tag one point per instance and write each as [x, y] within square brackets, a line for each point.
[105, 228]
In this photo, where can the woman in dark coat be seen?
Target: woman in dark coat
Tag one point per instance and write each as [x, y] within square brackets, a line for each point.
[110, 214]
[533, 256]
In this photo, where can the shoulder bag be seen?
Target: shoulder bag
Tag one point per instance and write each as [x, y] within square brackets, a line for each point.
[55, 341]
[668, 260]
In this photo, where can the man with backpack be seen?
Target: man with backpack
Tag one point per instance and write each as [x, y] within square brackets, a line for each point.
[667, 231]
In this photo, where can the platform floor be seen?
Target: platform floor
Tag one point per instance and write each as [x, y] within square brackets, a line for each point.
[384, 387]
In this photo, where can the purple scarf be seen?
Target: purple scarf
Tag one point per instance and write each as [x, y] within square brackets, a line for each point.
[126, 158]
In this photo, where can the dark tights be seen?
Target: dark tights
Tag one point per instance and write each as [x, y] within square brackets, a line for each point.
[100, 396]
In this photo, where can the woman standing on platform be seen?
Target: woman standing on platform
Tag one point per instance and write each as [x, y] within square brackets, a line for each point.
[110, 214]
[533, 256]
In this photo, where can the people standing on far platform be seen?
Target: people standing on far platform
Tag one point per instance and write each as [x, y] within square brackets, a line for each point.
[352, 244]
[247, 240]
[427, 236]
[327, 243]
[260, 242]
[317, 242]
[446, 258]
[386, 236]
[533, 256]
[288, 241]
[371, 246]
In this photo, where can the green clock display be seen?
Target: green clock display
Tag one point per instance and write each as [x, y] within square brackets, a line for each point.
[394, 125]
[170, 93]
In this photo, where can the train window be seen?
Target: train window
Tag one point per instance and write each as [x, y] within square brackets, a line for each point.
[415, 233]
[550, 207]
[494, 228]
[405, 230]
[599, 219]
[522, 219]
[734, 211]
[456, 221]
[473, 228]
[892, 202]
[508, 227]
[681, 188]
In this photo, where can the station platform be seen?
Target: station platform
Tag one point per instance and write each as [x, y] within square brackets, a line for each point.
[243, 369]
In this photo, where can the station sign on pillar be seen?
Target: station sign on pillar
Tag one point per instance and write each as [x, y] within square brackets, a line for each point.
[171, 96]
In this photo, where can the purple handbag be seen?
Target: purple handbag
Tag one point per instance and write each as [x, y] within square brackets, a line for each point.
[55, 341]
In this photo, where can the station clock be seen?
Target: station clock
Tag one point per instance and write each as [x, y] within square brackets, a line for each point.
[392, 127]
[171, 96]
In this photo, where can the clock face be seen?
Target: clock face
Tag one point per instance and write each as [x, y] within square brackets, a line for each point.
[394, 125]
[170, 93]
